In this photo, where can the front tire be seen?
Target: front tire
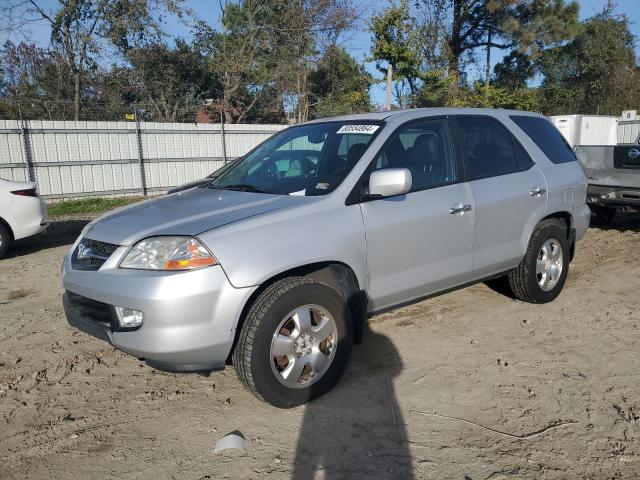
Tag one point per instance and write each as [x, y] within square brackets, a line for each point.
[295, 342]
[542, 273]
[5, 240]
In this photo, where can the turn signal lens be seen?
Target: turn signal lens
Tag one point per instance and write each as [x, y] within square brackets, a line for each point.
[188, 264]
[168, 253]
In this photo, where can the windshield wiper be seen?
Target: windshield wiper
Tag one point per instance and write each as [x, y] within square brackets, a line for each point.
[241, 187]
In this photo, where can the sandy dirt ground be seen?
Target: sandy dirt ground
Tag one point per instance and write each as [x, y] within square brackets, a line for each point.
[469, 385]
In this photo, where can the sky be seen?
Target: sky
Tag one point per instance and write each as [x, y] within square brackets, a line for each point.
[357, 43]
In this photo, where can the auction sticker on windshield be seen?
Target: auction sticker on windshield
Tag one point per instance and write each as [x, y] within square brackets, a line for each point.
[364, 129]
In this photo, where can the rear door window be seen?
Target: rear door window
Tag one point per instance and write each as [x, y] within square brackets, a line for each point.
[487, 148]
[546, 137]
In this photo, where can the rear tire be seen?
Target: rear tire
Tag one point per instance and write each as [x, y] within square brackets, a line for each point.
[5, 240]
[542, 273]
[315, 352]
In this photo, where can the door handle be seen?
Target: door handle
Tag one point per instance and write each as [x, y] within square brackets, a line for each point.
[460, 208]
[536, 192]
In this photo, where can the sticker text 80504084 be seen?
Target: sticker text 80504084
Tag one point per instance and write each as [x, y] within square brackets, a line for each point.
[362, 129]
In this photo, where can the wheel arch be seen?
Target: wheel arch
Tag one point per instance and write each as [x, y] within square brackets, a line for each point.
[567, 219]
[6, 224]
[337, 275]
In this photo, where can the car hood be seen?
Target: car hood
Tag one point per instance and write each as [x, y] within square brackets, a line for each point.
[185, 213]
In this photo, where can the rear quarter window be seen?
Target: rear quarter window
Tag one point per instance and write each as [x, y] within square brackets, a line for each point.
[546, 137]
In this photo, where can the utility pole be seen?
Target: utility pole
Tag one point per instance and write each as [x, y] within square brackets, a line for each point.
[487, 75]
[222, 137]
[26, 143]
[143, 176]
[389, 78]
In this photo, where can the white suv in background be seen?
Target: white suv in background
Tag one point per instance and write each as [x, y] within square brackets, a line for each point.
[22, 212]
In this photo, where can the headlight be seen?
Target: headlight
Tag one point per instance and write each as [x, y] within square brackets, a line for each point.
[168, 253]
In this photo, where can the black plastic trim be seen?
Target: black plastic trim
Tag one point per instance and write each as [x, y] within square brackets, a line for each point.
[182, 367]
[77, 318]
[87, 311]
[100, 253]
[596, 195]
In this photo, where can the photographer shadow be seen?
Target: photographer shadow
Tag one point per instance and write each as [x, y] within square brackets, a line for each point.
[357, 429]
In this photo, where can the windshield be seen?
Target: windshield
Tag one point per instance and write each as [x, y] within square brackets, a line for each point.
[222, 169]
[310, 159]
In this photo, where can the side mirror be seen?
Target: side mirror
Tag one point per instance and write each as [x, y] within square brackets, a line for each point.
[389, 182]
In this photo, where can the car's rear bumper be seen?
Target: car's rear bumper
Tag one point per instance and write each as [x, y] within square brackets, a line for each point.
[189, 318]
[34, 229]
[31, 217]
[613, 196]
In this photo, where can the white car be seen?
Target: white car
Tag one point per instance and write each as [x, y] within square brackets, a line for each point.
[22, 212]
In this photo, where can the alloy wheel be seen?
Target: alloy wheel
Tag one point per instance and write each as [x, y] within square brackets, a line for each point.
[303, 346]
[549, 264]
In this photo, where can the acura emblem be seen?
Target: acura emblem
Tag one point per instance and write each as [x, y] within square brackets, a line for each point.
[84, 252]
[633, 153]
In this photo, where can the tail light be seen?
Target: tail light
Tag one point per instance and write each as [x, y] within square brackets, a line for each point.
[27, 192]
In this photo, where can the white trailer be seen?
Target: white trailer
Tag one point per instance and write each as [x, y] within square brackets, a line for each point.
[587, 130]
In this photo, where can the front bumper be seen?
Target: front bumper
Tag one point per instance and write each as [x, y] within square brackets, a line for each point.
[610, 196]
[189, 317]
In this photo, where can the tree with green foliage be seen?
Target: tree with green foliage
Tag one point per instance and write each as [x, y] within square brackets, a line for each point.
[239, 55]
[596, 73]
[165, 83]
[339, 85]
[303, 31]
[528, 25]
[34, 82]
[396, 42]
[436, 90]
[265, 52]
[480, 95]
[427, 42]
[81, 29]
[514, 70]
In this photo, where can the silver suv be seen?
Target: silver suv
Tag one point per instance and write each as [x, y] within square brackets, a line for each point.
[275, 264]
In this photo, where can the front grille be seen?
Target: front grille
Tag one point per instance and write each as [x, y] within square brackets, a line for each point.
[91, 254]
[93, 310]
